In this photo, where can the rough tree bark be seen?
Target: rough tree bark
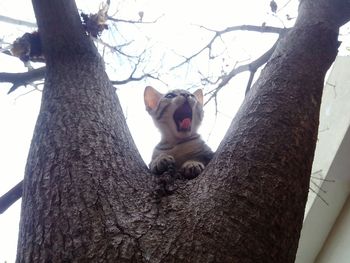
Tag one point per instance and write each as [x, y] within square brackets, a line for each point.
[88, 196]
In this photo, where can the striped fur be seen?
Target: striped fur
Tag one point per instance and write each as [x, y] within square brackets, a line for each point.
[178, 115]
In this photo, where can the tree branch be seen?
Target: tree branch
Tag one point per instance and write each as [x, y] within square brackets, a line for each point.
[116, 48]
[250, 81]
[131, 78]
[17, 22]
[261, 29]
[11, 197]
[134, 21]
[23, 78]
[252, 67]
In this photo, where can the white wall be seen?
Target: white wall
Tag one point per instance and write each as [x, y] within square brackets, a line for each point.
[337, 246]
[332, 161]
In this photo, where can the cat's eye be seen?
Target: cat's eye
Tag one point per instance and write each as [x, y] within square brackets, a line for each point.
[170, 95]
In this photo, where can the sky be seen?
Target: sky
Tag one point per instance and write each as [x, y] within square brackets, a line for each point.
[176, 33]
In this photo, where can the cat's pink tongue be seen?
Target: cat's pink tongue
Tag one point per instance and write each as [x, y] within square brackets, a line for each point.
[185, 124]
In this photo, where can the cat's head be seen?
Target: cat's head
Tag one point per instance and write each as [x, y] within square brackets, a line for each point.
[178, 113]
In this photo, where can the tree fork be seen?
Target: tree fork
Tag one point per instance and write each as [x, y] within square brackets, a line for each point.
[88, 196]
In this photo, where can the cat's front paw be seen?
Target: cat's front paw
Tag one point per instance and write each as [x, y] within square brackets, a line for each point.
[192, 169]
[162, 163]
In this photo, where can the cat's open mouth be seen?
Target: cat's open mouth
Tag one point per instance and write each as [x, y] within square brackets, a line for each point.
[183, 117]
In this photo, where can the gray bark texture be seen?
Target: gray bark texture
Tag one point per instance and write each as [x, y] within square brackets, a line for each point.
[89, 197]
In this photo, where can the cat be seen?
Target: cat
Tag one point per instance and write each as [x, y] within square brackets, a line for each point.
[178, 115]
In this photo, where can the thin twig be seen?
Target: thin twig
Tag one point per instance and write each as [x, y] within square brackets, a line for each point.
[319, 196]
[322, 179]
[115, 48]
[284, 6]
[35, 88]
[318, 187]
[131, 78]
[133, 21]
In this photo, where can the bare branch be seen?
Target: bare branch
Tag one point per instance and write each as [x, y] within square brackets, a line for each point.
[115, 48]
[208, 46]
[322, 179]
[319, 196]
[131, 78]
[16, 21]
[252, 67]
[11, 197]
[250, 81]
[219, 33]
[34, 88]
[261, 29]
[287, 3]
[135, 68]
[133, 21]
[23, 78]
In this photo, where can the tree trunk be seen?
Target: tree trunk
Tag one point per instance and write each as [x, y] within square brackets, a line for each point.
[88, 196]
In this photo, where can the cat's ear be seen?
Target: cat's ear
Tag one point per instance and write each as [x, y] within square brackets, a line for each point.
[151, 97]
[199, 95]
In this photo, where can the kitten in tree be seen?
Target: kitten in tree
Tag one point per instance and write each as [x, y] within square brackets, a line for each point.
[178, 115]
